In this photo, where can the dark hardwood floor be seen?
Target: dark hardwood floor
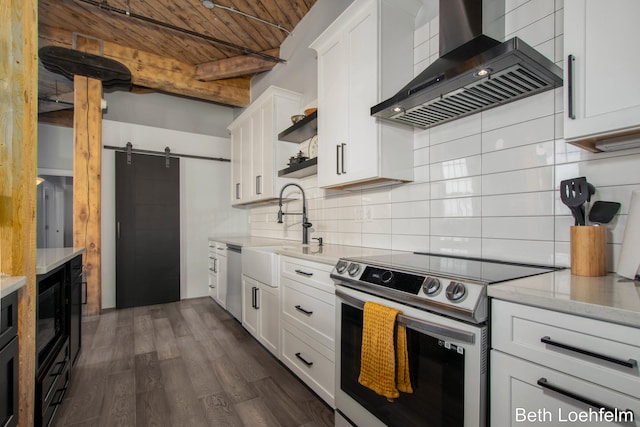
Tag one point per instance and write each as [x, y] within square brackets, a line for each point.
[187, 363]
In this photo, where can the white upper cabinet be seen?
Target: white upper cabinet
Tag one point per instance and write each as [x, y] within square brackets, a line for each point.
[364, 57]
[601, 84]
[256, 153]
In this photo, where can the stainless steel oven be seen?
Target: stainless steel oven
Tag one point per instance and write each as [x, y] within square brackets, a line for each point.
[444, 307]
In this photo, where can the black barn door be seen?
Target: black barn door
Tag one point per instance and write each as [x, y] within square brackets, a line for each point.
[147, 230]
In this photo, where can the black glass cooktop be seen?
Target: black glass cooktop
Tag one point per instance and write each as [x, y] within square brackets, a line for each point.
[474, 269]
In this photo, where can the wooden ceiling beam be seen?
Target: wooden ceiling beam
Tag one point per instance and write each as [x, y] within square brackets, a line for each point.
[161, 73]
[234, 67]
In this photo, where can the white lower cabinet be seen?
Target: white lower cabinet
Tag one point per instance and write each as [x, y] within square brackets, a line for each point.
[308, 324]
[551, 368]
[218, 272]
[261, 313]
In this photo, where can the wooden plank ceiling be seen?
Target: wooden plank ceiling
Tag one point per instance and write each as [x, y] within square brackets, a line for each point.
[215, 63]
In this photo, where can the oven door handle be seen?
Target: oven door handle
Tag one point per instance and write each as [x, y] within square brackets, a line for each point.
[418, 324]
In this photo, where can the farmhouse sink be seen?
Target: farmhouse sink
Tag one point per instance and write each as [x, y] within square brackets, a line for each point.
[262, 263]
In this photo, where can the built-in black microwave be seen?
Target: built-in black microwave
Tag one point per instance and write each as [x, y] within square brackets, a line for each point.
[50, 317]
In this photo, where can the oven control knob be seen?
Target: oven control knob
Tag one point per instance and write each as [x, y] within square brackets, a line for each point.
[431, 286]
[387, 277]
[341, 266]
[353, 269]
[456, 291]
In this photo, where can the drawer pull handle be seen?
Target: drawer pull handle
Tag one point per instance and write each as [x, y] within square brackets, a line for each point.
[542, 382]
[212, 287]
[302, 310]
[304, 273]
[62, 391]
[631, 363]
[306, 362]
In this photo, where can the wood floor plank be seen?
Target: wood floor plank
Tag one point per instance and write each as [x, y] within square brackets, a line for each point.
[119, 407]
[196, 378]
[144, 341]
[279, 404]
[184, 407]
[152, 409]
[147, 373]
[234, 384]
[199, 367]
[166, 345]
[219, 411]
[254, 412]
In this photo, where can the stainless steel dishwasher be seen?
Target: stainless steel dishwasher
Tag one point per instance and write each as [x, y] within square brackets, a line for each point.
[234, 281]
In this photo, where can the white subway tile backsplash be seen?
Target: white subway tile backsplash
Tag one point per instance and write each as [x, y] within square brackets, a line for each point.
[522, 181]
[456, 227]
[519, 228]
[455, 188]
[459, 207]
[519, 204]
[528, 156]
[455, 149]
[458, 168]
[484, 185]
[526, 13]
[519, 134]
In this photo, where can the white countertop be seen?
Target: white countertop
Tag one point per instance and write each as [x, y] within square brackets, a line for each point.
[611, 298]
[50, 258]
[326, 254]
[9, 284]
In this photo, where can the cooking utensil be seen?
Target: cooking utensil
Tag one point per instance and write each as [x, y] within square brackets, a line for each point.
[574, 193]
[603, 212]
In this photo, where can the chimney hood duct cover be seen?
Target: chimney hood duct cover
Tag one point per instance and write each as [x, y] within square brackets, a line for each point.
[453, 86]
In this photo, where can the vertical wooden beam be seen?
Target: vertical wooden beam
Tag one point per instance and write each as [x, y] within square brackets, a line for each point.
[18, 148]
[87, 169]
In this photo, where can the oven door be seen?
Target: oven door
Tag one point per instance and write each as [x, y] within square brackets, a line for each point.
[447, 363]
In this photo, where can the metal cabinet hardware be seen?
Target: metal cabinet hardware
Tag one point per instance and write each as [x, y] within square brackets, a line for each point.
[542, 382]
[254, 298]
[212, 287]
[338, 159]
[630, 363]
[571, 87]
[342, 158]
[306, 362]
[304, 273]
[237, 191]
[302, 310]
[259, 184]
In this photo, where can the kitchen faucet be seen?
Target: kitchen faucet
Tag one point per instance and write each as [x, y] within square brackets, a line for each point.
[305, 223]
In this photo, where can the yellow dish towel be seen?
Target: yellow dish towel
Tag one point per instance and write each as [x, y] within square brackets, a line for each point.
[384, 366]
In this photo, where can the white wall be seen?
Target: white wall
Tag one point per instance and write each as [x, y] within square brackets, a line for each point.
[485, 185]
[55, 150]
[300, 73]
[204, 199]
[169, 112]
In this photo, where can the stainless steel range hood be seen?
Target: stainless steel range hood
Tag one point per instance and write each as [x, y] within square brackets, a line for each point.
[475, 72]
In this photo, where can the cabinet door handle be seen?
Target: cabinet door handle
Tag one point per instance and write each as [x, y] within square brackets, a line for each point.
[542, 382]
[338, 159]
[118, 230]
[570, 87]
[255, 299]
[304, 273]
[306, 362]
[302, 310]
[259, 184]
[215, 265]
[86, 290]
[630, 363]
[237, 190]
[342, 157]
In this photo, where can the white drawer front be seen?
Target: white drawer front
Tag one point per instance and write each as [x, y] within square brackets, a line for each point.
[313, 363]
[310, 309]
[541, 336]
[518, 399]
[307, 272]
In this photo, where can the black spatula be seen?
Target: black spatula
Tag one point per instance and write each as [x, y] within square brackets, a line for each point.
[603, 212]
[574, 193]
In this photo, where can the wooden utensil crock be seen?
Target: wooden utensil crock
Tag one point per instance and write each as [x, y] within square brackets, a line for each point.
[588, 250]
